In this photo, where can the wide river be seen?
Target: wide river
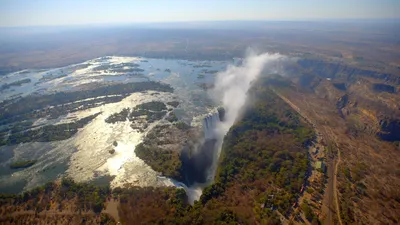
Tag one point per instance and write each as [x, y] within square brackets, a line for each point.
[85, 156]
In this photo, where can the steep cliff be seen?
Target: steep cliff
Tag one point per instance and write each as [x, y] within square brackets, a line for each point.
[390, 129]
[327, 69]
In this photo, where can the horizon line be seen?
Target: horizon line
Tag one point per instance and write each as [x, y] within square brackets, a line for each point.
[206, 21]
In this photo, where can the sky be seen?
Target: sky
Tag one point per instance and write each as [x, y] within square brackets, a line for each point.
[81, 12]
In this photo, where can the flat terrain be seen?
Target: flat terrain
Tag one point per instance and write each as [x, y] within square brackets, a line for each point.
[367, 44]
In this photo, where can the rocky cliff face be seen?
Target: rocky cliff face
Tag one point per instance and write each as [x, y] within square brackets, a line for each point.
[342, 102]
[197, 161]
[339, 70]
[374, 96]
[383, 88]
[390, 130]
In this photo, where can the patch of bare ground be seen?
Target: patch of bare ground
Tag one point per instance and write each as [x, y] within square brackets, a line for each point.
[112, 208]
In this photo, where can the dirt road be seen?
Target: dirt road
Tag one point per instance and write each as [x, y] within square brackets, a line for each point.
[335, 191]
[331, 199]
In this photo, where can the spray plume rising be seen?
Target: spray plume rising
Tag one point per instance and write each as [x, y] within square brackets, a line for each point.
[231, 86]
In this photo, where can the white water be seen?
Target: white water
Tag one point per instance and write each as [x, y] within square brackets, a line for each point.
[210, 123]
[86, 155]
[193, 192]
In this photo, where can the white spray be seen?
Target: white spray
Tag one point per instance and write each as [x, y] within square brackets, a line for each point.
[231, 88]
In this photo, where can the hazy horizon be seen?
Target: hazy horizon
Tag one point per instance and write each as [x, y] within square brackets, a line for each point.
[23, 13]
[219, 24]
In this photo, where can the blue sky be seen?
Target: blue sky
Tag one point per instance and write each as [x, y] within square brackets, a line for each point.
[75, 12]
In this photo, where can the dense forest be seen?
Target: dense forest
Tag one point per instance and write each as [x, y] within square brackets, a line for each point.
[165, 161]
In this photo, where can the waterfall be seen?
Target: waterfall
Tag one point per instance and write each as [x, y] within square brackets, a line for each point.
[231, 88]
[193, 192]
[197, 163]
[210, 124]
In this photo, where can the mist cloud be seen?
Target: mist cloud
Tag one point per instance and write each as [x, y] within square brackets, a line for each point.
[231, 86]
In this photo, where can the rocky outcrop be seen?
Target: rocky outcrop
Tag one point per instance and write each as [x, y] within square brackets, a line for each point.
[342, 102]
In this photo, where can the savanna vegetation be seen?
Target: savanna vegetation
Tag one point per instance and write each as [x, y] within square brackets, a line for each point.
[19, 114]
[173, 103]
[161, 148]
[118, 117]
[22, 164]
[151, 205]
[352, 190]
[172, 117]
[16, 83]
[62, 200]
[47, 133]
[165, 161]
[33, 106]
[153, 111]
